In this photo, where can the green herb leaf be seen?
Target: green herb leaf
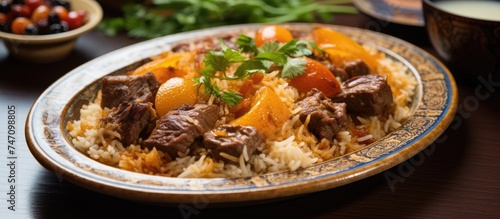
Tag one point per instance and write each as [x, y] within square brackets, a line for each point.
[216, 61]
[271, 53]
[303, 47]
[248, 67]
[293, 68]
[247, 44]
[164, 17]
[289, 48]
[233, 56]
[231, 98]
[276, 57]
[270, 47]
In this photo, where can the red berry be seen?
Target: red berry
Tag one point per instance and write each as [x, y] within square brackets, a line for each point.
[83, 13]
[61, 11]
[33, 4]
[75, 19]
[40, 13]
[3, 18]
[18, 10]
[19, 25]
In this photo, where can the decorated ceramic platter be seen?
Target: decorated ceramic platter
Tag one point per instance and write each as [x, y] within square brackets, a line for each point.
[394, 11]
[252, 176]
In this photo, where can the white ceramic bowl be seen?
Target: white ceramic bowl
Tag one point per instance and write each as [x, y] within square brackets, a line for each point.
[52, 47]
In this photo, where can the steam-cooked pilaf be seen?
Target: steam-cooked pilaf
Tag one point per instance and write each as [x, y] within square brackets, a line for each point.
[292, 147]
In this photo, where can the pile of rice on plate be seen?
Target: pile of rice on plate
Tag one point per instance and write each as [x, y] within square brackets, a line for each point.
[291, 148]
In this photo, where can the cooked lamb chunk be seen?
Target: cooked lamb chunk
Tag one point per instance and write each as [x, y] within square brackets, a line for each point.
[297, 34]
[129, 120]
[123, 88]
[337, 72]
[366, 95]
[180, 128]
[326, 117]
[356, 68]
[231, 139]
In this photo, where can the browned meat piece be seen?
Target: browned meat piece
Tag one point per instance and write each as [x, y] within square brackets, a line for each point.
[129, 120]
[180, 128]
[297, 34]
[123, 88]
[231, 139]
[356, 68]
[327, 117]
[366, 95]
[337, 72]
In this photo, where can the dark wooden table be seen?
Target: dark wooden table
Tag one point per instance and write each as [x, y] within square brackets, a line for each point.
[458, 176]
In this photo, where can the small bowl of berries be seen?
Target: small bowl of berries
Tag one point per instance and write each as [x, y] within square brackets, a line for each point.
[42, 31]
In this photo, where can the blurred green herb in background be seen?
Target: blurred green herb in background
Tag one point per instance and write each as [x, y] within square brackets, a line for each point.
[165, 17]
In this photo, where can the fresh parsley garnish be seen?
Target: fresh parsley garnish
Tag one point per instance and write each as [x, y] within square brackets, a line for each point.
[293, 68]
[247, 44]
[228, 96]
[287, 56]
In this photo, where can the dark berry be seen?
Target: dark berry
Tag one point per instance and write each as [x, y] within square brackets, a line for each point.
[63, 3]
[4, 7]
[65, 25]
[58, 28]
[43, 26]
[55, 28]
[31, 30]
[17, 1]
[54, 18]
[4, 27]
